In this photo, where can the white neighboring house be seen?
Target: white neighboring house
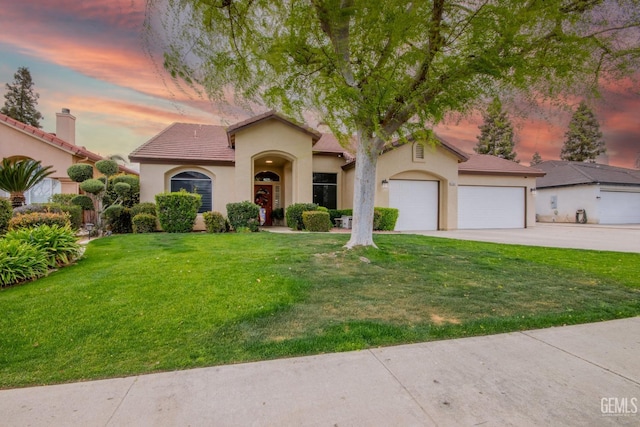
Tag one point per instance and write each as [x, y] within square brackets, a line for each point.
[575, 191]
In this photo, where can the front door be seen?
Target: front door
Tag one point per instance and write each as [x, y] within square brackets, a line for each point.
[263, 197]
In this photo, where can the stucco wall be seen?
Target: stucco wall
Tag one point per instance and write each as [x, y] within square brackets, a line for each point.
[568, 200]
[507, 181]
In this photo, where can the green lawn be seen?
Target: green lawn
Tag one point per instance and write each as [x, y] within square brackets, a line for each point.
[144, 303]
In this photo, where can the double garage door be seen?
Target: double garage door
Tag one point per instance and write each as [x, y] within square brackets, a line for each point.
[491, 207]
[619, 207]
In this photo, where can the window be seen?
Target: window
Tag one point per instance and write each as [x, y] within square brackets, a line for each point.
[41, 192]
[267, 176]
[325, 190]
[195, 182]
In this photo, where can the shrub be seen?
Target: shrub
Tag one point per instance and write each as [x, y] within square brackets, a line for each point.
[215, 222]
[80, 172]
[316, 221]
[277, 214]
[84, 202]
[145, 208]
[35, 219]
[93, 186]
[6, 212]
[107, 167]
[59, 244]
[177, 211]
[387, 219]
[144, 223]
[63, 199]
[20, 262]
[130, 197]
[74, 212]
[294, 214]
[117, 218]
[243, 214]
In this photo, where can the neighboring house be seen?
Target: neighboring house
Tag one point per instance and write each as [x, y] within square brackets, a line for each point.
[603, 194]
[275, 162]
[22, 141]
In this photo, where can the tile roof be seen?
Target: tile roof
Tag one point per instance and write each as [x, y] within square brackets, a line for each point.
[484, 164]
[186, 142]
[562, 174]
[52, 139]
[269, 115]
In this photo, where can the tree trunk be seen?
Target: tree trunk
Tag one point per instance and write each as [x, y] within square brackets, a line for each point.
[364, 190]
[17, 199]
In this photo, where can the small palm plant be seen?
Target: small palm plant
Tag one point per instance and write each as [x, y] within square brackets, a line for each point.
[19, 176]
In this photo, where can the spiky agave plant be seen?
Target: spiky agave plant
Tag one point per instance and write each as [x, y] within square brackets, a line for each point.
[19, 176]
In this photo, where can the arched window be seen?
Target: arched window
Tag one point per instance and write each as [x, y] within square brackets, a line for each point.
[195, 182]
[267, 176]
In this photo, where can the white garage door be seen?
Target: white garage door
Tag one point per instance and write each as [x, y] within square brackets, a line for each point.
[618, 207]
[491, 207]
[417, 202]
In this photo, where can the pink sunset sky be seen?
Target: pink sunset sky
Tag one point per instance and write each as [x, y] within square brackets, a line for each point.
[89, 56]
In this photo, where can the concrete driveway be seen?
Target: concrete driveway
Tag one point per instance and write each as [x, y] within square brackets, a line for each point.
[621, 238]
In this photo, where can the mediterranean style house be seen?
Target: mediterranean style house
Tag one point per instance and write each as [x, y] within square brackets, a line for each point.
[274, 161]
[21, 141]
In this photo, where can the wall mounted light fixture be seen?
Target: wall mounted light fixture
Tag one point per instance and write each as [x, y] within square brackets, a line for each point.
[385, 184]
[534, 191]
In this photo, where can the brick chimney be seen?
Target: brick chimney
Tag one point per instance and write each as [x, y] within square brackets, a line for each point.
[66, 126]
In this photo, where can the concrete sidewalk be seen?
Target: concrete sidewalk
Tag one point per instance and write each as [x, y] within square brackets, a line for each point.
[583, 375]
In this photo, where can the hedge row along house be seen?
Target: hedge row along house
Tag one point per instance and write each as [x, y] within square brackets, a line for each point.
[21, 141]
[274, 161]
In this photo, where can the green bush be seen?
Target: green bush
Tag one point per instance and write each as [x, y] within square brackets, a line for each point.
[144, 223]
[117, 218]
[243, 214]
[146, 208]
[316, 221]
[80, 172]
[74, 212]
[63, 199]
[35, 219]
[277, 214]
[6, 212]
[129, 197]
[337, 213]
[177, 211]
[59, 244]
[93, 186]
[387, 219]
[215, 222]
[294, 214]
[20, 262]
[84, 202]
[107, 167]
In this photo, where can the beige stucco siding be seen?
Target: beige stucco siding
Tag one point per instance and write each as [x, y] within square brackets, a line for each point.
[274, 138]
[506, 181]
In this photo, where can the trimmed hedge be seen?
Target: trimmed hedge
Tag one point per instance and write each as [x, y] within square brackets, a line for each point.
[145, 208]
[215, 222]
[316, 221]
[387, 218]
[294, 214]
[117, 219]
[243, 215]
[177, 211]
[35, 219]
[144, 223]
[80, 172]
[6, 212]
[74, 212]
[19, 262]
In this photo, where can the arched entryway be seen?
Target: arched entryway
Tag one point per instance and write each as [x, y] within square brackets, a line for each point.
[272, 182]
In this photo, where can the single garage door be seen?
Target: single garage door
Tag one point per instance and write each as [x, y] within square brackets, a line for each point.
[417, 203]
[619, 207]
[491, 207]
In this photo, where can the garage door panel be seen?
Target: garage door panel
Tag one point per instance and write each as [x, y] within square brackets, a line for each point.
[417, 203]
[491, 207]
[619, 207]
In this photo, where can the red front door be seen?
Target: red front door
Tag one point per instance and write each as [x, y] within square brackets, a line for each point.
[263, 197]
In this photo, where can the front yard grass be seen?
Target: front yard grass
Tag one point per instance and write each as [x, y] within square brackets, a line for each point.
[145, 303]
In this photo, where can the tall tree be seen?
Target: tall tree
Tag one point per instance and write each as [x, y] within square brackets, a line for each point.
[19, 176]
[536, 159]
[21, 99]
[583, 141]
[382, 70]
[496, 133]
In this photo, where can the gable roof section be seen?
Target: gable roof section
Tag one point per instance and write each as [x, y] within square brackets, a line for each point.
[563, 174]
[270, 115]
[187, 143]
[485, 164]
[49, 138]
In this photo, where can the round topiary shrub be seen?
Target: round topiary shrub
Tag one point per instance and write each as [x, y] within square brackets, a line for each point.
[107, 167]
[177, 211]
[93, 186]
[6, 212]
[84, 201]
[215, 222]
[80, 172]
[144, 223]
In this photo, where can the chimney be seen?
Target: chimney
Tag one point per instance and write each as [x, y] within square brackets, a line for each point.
[66, 126]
